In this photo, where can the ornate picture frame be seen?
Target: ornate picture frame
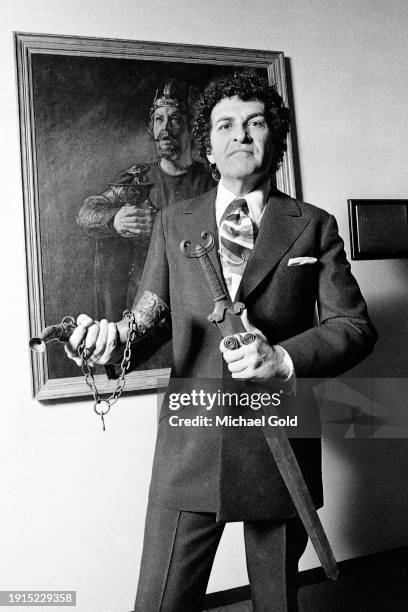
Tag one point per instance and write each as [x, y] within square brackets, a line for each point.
[83, 106]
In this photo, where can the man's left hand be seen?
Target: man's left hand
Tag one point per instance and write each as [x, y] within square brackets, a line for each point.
[256, 361]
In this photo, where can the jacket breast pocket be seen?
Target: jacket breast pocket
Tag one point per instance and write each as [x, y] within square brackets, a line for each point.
[304, 271]
[299, 283]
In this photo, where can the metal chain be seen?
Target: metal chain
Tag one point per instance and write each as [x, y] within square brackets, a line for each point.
[124, 366]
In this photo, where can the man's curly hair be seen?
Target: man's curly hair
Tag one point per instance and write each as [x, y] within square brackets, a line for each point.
[246, 86]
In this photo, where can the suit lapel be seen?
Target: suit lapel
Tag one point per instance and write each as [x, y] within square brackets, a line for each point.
[200, 217]
[281, 225]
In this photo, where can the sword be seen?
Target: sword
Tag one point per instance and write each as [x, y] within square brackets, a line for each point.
[226, 317]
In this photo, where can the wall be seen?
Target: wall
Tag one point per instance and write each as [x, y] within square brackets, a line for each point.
[72, 497]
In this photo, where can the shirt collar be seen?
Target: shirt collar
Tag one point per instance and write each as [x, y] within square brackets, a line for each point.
[256, 201]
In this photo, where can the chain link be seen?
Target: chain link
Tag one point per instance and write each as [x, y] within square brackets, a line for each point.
[103, 405]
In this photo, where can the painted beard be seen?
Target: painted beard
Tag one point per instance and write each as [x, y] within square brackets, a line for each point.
[167, 147]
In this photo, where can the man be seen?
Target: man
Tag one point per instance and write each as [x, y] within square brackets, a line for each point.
[121, 219]
[280, 257]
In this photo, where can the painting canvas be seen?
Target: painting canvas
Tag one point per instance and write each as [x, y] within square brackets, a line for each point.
[84, 115]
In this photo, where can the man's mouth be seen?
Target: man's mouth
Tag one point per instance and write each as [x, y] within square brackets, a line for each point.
[167, 147]
[166, 139]
[167, 143]
[241, 152]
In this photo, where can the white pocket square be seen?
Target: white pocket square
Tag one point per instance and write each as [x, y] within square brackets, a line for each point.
[301, 261]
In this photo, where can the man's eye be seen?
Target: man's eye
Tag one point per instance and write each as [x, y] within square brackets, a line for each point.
[257, 123]
[224, 126]
[158, 119]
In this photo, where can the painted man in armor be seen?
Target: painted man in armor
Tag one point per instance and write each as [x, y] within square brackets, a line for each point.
[121, 217]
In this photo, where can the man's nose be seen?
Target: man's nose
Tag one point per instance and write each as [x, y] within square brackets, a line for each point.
[166, 127]
[241, 134]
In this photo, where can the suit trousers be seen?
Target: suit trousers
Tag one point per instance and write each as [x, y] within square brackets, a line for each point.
[178, 553]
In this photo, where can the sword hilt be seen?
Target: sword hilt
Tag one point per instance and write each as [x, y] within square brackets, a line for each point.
[200, 251]
[225, 314]
[212, 279]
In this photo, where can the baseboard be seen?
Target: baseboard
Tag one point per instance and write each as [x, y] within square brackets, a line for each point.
[384, 564]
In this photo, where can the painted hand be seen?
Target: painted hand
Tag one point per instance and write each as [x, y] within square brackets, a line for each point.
[133, 221]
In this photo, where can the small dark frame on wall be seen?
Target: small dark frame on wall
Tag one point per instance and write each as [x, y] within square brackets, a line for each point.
[378, 229]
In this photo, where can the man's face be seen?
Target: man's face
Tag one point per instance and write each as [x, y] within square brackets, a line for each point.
[170, 132]
[241, 142]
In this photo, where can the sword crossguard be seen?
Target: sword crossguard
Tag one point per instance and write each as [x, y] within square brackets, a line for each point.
[199, 250]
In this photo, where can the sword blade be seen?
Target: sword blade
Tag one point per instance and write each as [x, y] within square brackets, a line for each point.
[289, 469]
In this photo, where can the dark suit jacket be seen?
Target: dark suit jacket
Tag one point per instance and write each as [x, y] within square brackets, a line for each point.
[232, 472]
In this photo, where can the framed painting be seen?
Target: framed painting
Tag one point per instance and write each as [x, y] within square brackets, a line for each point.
[85, 105]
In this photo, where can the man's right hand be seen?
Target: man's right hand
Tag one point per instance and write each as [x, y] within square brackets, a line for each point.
[132, 221]
[101, 341]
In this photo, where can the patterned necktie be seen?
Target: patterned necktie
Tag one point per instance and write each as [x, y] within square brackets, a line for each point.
[237, 235]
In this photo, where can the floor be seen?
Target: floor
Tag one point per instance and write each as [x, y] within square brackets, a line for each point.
[378, 583]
